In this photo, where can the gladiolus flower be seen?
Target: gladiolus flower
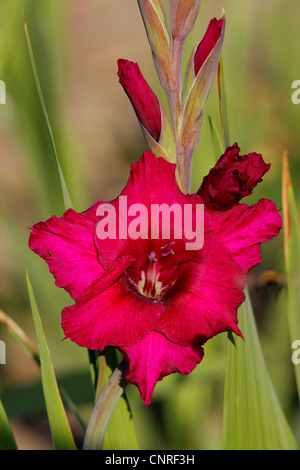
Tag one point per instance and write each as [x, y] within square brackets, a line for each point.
[150, 297]
[232, 178]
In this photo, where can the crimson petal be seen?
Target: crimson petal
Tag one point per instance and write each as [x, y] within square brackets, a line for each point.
[204, 300]
[67, 245]
[109, 313]
[159, 175]
[243, 228]
[155, 357]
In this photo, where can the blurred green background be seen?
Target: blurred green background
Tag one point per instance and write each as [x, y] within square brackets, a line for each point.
[76, 45]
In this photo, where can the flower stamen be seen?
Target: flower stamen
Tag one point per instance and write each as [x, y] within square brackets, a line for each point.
[164, 252]
[149, 284]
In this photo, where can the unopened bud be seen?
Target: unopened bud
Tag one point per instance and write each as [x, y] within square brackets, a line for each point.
[233, 177]
[153, 117]
[200, 74]
[154, 19]
[183, 16]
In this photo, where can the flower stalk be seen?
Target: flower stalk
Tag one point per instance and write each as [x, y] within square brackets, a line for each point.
[186, 100]
[183, 15]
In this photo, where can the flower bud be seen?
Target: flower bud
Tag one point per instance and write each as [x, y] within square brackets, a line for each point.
[154, 18]
[143, 100]
[183, 16]
[153, 118]
[208, 43]
[233, 177]
[200, 74]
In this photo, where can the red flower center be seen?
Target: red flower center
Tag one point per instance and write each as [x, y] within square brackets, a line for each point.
[154, 279]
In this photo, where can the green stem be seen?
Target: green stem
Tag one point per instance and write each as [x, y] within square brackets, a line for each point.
[105, 404]
[174, 95]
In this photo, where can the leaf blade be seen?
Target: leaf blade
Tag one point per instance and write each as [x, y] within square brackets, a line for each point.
[252, 416]
[223, 104]
[108, 399]
[65, 192]
[217, 143]
[7, 440]
[120, 433]
[291, 227]
[60, 429]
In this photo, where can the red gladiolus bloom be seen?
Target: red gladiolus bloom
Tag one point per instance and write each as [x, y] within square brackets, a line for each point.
[151, 297]
[143, 100]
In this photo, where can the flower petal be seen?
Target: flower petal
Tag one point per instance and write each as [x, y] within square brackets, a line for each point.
[204, 300]
[159, 175]
[155, 357]
[67, 245]
[243, 228]
[109, 312]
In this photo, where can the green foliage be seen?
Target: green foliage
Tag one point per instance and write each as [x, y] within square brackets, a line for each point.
[7, 440]
[65, 192]
[253, 418]
[252, 415]
[292, 259]
[60, 430]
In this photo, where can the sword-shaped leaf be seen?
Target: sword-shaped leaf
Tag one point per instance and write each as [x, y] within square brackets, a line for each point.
[252, 416]
[60, 430]
[292, 259]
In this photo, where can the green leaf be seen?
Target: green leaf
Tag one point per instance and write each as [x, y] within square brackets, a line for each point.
[292, 258]
[120, 432]
[105, 404]
[111, 425]
[7, 440]
[59, 426]
[66, 196]
[216, 139]
[223, 104]
[252, 416]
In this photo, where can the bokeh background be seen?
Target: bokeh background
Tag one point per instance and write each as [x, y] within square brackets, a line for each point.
[76, 45]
